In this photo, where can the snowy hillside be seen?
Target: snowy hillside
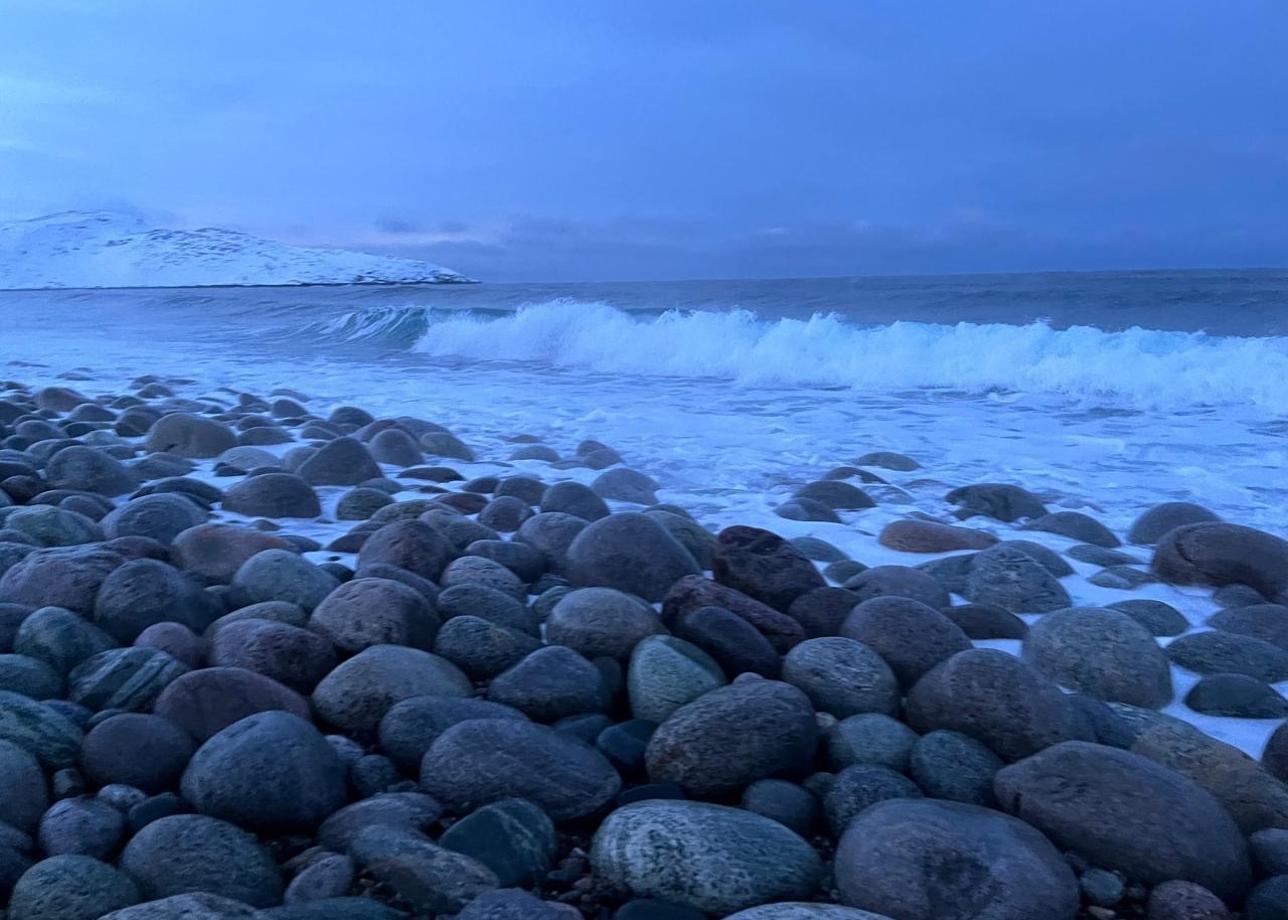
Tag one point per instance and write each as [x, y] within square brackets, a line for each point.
[90, 249]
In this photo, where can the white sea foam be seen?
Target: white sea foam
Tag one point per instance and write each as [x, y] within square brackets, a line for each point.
[1137, 366]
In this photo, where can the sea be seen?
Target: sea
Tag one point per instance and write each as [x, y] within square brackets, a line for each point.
[1104, 392]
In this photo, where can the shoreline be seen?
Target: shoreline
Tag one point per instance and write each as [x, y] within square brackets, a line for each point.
[370, 557]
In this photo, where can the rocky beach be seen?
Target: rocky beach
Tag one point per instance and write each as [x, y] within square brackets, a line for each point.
[265, 655]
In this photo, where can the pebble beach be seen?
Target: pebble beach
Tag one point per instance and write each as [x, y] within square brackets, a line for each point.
[265, 655]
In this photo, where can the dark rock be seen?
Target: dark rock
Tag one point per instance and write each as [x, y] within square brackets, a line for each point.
[281, 575]
[818, 550]
[763, 566]
[195, 853]
[410, 811]
[410, 727]
[204, 702]
[1180, 900]
[1006, 577]
[1238, 696]
[341, 462]
[38, 729]
[953, 766]
[910, 636]
[1268, 622]
[714, 858]
[601, 621]
[1076, 526]
[835, 494]
[51, 526]
[626, 485]
[823, 610]
[23, 791]
[889, 460]
[274, 495]
[177, 641]
[665, 673]
[512, 837]
[1101, 652]
[128, 679]
[699, 541]
[161, 517]
[551, 533]
[996, 500]
[790, 805]
[375, 611]
[1219, 652]
[360, 504]
[271, 771]
[429, 878]
[1125, 812]
[551, 683]
[630, 552]
[524, 561]
[144, 751]
[189, 436]
[475, 570]
[995, 698]
[898, 581]
[733, 736]
[481, 648]
[807, 509]
[292, 656]
[917, 536]
[1150, 527]
[984, 621]
[1159, 618]
[730, 640]
[81, 826]
[396, 447]
[357, 694]
[30, 677]
[1222, 554]
[411, 545]
[487, 604]
[58, 578]
[144, 592]
[70, 887]
[694, 592]
[88, 470]
[861, 786]
[575, 499]
[922, 859]
[842, 676]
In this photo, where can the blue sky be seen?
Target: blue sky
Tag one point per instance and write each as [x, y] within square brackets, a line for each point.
[562, 140]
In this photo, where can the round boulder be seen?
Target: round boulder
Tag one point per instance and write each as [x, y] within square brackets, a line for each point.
[196, 853]
[356, 695]
[842, 676]
[375, 611]
[1103, 653]
[630, 552]
[273, 495]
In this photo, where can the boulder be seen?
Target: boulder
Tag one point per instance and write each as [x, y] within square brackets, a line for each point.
[273, 495]
[281, 575]
[630, 552]
[136, 749]
[923, 859]
[190, 436]
[911, 637]
[204, 702]
[551, 683]
[711, 857]
[1150, 527]
[71, 887]
[412, 545]
[763, 566]
[410, 727]
[1123, 811]
[85, 469]
[341, 462]
[918, 536]
[1101, 652]
[1217, 553]
[216, 551]
[357, 694]
[1000, 501]
[375, 611]
[429, 878]
[297, 658]
[1076, 526]
[842, 676]
[39, 729]
[732, 736]
[601, 621]
[665, 673]
[144, 592]
[1013, 580]
[162, 517]
[694, 592]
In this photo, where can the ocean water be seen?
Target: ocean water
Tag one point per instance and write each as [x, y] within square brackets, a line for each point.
[1106, 393]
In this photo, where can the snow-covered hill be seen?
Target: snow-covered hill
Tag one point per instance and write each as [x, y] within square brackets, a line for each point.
[94, 249]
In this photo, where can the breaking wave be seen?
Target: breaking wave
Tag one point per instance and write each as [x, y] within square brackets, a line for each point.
[1134, 366]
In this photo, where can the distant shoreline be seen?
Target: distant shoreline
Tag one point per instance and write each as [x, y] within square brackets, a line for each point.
[302, 284]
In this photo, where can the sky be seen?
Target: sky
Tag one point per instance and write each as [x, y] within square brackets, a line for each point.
[643, 139]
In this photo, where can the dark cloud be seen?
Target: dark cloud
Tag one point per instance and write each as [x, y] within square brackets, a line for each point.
[660, 138]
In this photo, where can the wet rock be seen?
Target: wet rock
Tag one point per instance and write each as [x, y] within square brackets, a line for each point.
[714, 858]
[1222, 554]
[70, 887]
[428, 877]
[694, 592]
[512, 837]
[922, 859]
[870, 738]
[731, 641]
[917, 536]
[410, 727]
[411, 545]
[1009, 578]
[30, 677]
[835, 494]
[136, 749]
[953, 766]
[1150, 527]
[88, 470]
[665, 673]
[292, 656]
[49, 526]
[38, 729]
[911, 637]
[997, 699]
[1000, 501]
[1159, 618]
[281, 575]
[630, 552]
[1268, 622]
[23, 791]
[341, 462]
[861, 786]
[699, 541]
[1102, 652]
[217, 551]
[375, 611]
[477, 762]
[477, 571]
[204, 702]
[551, 683]
[195, 853]
[144, 592]
[357, 694]
[898, 581]
[984, 621]
[733, 736]
[81, 826]
[601, 621]
[273, 495]
[1128, 813]
[626, 485]
[1237, 696]
[576, 499]
[189, 436]
[790, 805]
[481, 648]
[271, 771]
[128, 679]
[763, 566]
[842, 676]
[487, 604]
[1219, 652]
[1076, 526]
[161, 517]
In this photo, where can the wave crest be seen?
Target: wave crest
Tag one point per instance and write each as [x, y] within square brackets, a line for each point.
[1135, 366]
